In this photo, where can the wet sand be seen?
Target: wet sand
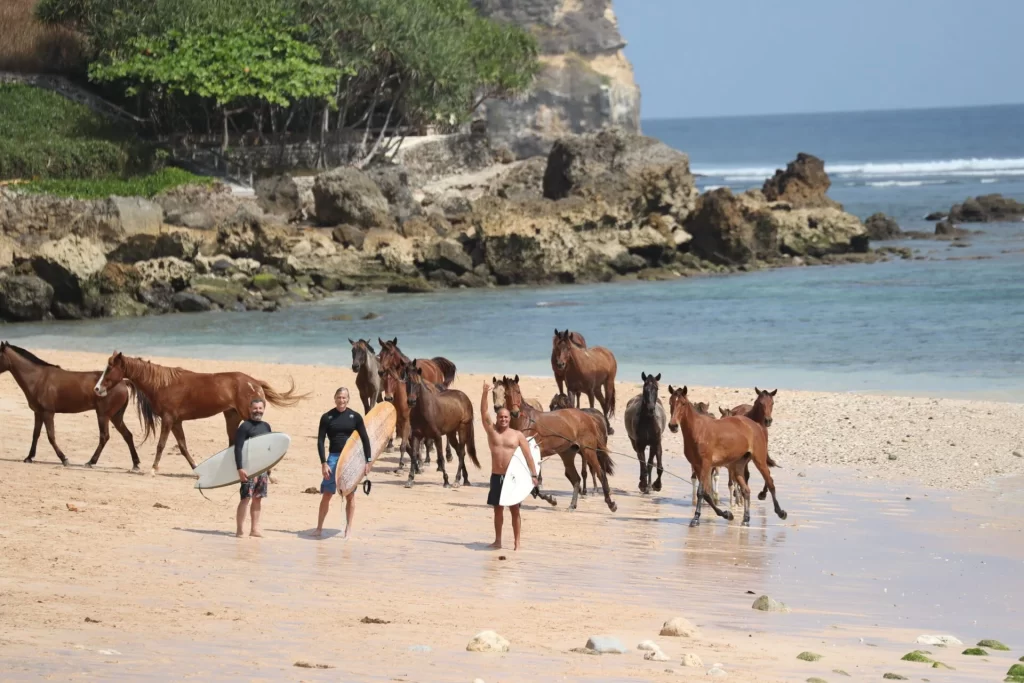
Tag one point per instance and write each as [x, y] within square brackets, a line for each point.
[865, 569]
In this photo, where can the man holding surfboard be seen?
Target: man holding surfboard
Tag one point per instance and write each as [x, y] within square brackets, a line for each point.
[252, 490]
[336, 426]
[503, 442]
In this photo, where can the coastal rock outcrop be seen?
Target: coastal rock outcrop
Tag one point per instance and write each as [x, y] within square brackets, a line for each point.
[803, 184]
[586, 82]
[347, 195]
[988, 208]
[881, 227]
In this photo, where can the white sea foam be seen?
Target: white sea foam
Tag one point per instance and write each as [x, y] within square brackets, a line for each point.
[949, 167]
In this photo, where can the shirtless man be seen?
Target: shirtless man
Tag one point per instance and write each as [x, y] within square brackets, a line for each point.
[502, 441]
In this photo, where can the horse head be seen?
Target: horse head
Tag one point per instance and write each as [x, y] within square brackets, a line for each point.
[112, 375]
[677, 403]
[563, 348]
[724, 412]
[513, 396]
[650, 392]
[765, 402]
[413, 377]
[560, 401]
[359, 350]
[498, 393]
[5, 365]
[701, 408]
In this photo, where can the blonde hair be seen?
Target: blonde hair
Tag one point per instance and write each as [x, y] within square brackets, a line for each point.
[341, 389]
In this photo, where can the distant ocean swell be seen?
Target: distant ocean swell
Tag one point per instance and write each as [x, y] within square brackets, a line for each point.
[988, 169]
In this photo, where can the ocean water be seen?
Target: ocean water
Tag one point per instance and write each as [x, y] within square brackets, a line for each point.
[950, 324]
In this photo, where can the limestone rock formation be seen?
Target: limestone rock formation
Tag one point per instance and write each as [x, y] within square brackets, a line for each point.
[803, 184]
[586, 82]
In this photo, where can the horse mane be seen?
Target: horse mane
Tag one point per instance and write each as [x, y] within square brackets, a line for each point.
[29, 356]
[152, 375]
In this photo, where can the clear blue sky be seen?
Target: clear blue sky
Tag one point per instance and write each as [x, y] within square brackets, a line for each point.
[731, 57]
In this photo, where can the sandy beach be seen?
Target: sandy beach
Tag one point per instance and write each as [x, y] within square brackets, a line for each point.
[876, 552]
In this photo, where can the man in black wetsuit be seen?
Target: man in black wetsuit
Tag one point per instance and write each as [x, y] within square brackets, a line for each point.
[337, 425]
[253, 489]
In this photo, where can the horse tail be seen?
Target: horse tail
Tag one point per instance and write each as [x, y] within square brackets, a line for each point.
[447, 369]
[772, 463]
[147, 416]
[606, 462]
[609, 392]
[471, 445]
[286, 399]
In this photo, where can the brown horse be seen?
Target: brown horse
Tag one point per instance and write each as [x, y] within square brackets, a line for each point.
[50, 389]
[565, 433]
[436, 413]
[438, 370]
[645, 422]
[367, 369]
[394, 393]
[577, 339]
[729, 442]
[760, 412]
[558, 402]
[174, 395]
[589, 371]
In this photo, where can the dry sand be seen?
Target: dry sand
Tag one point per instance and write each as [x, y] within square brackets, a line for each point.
[932, 545]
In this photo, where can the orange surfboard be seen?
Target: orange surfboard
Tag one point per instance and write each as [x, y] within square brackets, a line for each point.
[380, 425]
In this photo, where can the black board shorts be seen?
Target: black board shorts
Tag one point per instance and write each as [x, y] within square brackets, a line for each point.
[494, 493]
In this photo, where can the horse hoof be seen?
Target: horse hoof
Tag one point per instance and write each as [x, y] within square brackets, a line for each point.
[694, 522]
[728, 515]
[783, 514]
[408, 484]
[613, 506]
[448, 457]
[30, 458]
[136, 470]
[610, 430]
[746, 522]
[657, 487]
[90, 464]
[762, 496]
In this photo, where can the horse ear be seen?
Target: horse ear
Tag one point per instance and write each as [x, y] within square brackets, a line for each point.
[757, 391]
[773, 392]
[381, 342]
[395, 341]
[670, 389]
[351, 342]
[516, 380]
[684, 391]
[643, 376]
[658, 378]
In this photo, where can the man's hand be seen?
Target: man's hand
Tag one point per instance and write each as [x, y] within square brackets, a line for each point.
[369, 466]
[326, 470]
[243, 476]
[487, 387]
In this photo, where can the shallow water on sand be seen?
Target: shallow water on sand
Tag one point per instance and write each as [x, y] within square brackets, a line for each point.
[858, 562]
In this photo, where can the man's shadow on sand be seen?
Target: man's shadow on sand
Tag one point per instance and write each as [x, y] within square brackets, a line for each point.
[306, 534]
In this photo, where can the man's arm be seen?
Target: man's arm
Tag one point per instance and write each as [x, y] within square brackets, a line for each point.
[321, 435]
[525, 446]
[361, 428]
[241, 434]
[485, 414]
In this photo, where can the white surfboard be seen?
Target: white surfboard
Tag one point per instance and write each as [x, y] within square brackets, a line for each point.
[518, 482]
[259, 454]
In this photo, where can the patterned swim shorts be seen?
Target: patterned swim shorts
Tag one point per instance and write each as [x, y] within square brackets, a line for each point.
[256, 487]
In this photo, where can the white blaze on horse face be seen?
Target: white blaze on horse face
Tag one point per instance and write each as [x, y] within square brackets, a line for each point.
[100, 391]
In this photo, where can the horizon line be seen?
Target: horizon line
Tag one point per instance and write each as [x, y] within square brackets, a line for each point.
[831, 111]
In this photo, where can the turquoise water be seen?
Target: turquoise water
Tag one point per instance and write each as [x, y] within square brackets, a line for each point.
[947, 325]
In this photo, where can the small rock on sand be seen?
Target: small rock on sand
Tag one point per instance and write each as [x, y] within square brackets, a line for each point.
[373, 620]
[766, 604]
[809, 656]
[161, 506]
[678, 626]
[309, 665]
[606, 645]
[648, 645]
[993, 645]
[312, 489]
[939, 640]
[894, 677]
[690, 659]
[717, 672]
[1018, 454]
[840, 672]
[90, 620]
[657, 656]
[488, 641]
[815, 679]
[72, 508]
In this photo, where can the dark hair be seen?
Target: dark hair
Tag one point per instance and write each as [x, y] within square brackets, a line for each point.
[257, 400]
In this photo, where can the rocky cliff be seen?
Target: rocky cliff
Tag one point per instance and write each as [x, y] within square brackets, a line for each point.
[586, 82]
[601, 206]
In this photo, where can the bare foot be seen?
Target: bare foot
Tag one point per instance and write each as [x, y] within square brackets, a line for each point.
[318, 533]
[239, 533]
[256, 534]
[517, 546]
[496, 545]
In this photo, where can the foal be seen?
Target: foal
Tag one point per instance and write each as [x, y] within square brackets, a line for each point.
[730, 442]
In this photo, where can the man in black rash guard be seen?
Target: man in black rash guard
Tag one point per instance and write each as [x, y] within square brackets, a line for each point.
[337, 425]
[252, 489]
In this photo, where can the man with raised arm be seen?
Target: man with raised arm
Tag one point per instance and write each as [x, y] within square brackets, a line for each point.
[503, 441]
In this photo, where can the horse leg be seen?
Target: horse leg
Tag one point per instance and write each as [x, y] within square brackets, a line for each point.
[602, 400]
[714, 484]
[604, 481]
[762, 467]
[35, 437]
[165, 431]
[48, 421]
[414, 462]
[122, 428]
[573, 477]
[460, 449]
[743, 490]
[705, 477]
[583, 475]
[231, 422]
[643, 466]
[104, 424]
[448, 449]
[657, 483]
[693, 482]
[440, 462]
[179, 436]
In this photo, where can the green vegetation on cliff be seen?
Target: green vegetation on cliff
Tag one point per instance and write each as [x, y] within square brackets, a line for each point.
[134, 186]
